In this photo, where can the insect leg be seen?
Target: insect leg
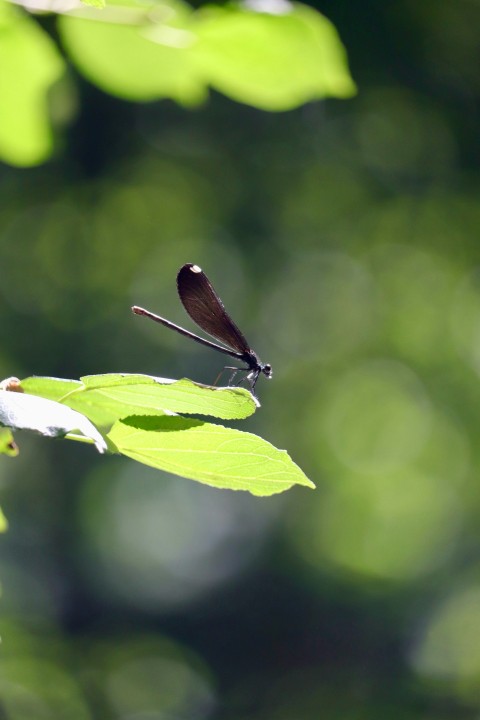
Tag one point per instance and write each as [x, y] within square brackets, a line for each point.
[227, 367]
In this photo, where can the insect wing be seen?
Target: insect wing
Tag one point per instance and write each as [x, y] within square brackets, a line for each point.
[206, 309]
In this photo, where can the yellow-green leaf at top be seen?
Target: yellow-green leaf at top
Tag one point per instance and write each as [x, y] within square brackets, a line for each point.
[275, 60]
[274, 56]
[137, 51]
[29, 64]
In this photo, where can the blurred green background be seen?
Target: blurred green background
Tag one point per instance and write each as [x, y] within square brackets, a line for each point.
[343, 238]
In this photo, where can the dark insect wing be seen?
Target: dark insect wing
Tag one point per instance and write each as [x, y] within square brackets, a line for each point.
[206, 309]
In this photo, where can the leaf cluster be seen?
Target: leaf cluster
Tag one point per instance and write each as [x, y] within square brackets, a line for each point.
[273, 55]
[139, 416]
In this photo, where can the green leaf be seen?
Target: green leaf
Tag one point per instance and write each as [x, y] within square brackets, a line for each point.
[211, 454]
[275, 60]
[29, 64]
[51, 388]
[20, 411]
[272, 61]
[147, 395]
[136, 51]
[94, 3]
[3, 522]
[110, 397]
[8, 445]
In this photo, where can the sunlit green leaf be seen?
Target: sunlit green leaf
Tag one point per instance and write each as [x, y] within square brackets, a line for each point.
[114, 49]
[49, 387]
[3, 522]
[107, 398]
[29, 64]
[21, 411]
[7, 443]
[94, 3]
[273, 60]
[212, 454]
[143, 394]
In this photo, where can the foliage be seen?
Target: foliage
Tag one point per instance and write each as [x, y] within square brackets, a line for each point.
[30, 63]
[344, 238]
[138, 416]
[276, 56]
